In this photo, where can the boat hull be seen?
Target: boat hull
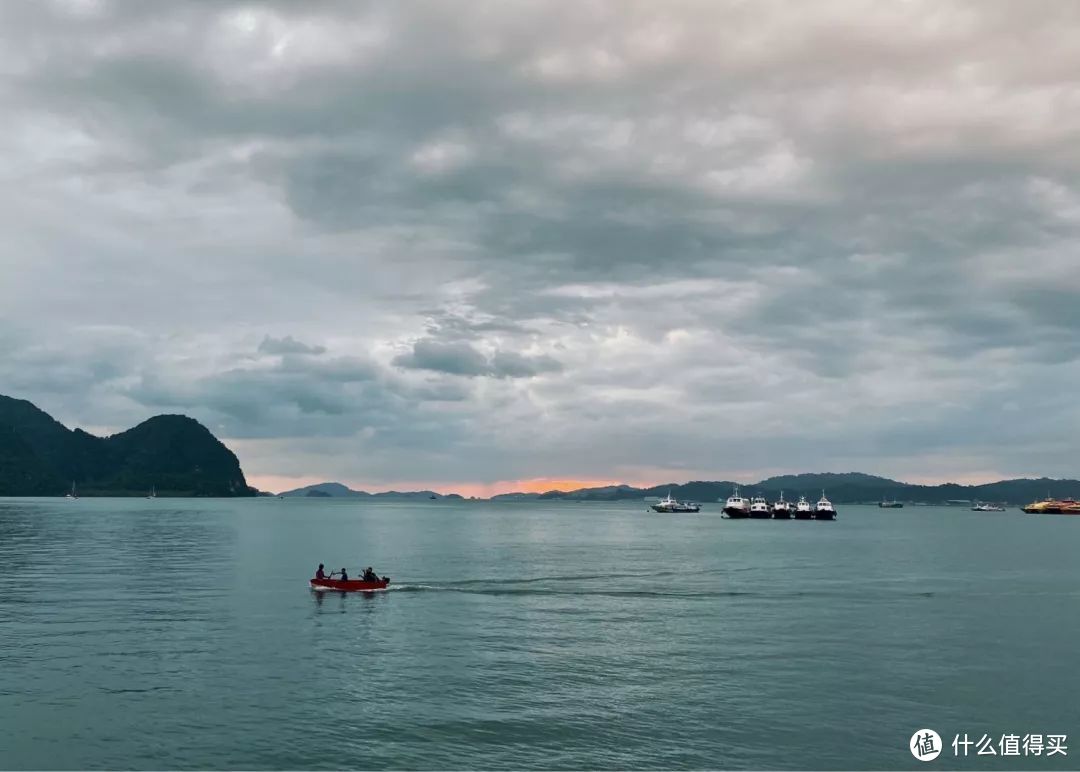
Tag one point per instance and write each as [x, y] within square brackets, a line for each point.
[668, 510]
[825, 515]
[735, 513]
[781, 514]
[804, 514]
[352, 585]
[760, 514]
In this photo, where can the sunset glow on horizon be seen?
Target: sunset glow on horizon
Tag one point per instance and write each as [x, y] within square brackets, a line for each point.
[277, 484]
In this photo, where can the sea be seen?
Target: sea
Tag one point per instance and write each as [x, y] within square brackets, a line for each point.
[182, 634]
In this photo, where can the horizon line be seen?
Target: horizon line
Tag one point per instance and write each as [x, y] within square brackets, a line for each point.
[551, 485]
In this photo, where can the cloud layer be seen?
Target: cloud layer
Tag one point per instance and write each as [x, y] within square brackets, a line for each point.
[450, 242]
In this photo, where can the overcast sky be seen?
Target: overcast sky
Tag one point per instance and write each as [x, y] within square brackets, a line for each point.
[487, 245]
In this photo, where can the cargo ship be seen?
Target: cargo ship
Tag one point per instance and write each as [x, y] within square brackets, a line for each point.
[1053, 507]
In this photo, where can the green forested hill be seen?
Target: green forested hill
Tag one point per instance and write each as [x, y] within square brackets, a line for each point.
[172, 453]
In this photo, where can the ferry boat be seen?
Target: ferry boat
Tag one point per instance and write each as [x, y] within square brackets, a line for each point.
[736, 506]
[824, 509]
[781, 509]
[759, 508]
[672, 505]
[981, 507]
[893, 504]
[1051, 506]
[802, 509]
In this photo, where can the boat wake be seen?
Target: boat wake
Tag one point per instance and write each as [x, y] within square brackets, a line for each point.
[513, 588]
[476, 589]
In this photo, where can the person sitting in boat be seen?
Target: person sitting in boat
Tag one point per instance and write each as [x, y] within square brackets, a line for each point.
[344, 576]
[320, 573]
[369, 575]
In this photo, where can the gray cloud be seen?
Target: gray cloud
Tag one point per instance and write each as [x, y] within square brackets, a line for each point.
[288, 345]
[458, 358]
[383, 241]
[510, 364]
[461, 358]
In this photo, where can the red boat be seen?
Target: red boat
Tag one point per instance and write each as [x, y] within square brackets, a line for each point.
[350, 585]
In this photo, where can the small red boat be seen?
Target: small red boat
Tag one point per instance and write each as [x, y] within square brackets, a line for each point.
[350, 585]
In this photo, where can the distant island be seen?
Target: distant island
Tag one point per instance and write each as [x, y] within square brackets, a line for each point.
[171, 454]
[337, 490]
[845, 488]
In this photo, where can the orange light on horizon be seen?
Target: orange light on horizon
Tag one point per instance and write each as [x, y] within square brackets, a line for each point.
[532, 485]
[480, 490]
[543, 485]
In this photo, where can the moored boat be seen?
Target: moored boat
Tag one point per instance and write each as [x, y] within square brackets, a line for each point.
[781, 509]
[673, 505]
[802, 509]
[759, 508]
[736, 506]
[824, 509]
[349, 585]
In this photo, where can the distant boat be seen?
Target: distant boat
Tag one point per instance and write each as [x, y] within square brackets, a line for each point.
[1051, 506]
[759, 508]
[736, 506]
[153, 493]
[803, 510]
[890, 504]
[672, 505]
[781, 509]
[433, 497]
[980, 507]
[73, 494]
[824, 509]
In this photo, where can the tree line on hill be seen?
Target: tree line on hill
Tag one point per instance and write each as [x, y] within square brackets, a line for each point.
[849, 488]
[172, 454]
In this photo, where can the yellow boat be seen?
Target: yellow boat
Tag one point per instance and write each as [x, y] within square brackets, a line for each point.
[1054, 507]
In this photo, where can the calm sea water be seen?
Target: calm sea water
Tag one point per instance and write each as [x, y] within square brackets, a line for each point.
[182, 634]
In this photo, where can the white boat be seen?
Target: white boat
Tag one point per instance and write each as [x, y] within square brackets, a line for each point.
[736, 505]
[781, 509]
[673, 505]
[153, 493]
[759, 508]
[824, 510]
[73, 494]
[803, 510]
[980, 507]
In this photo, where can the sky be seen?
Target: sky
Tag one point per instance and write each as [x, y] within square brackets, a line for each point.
[477, 246]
